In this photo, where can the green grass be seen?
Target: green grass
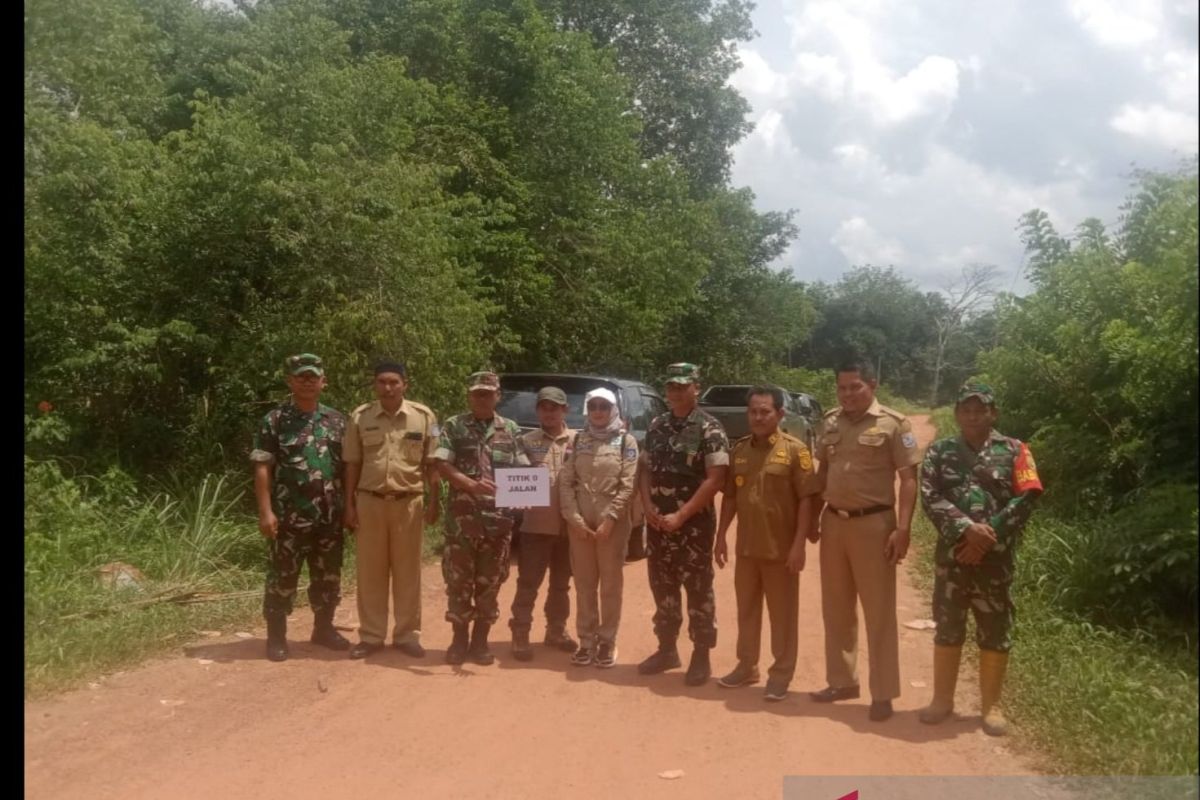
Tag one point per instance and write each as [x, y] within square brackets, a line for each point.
[183, 538]
[1091, 699]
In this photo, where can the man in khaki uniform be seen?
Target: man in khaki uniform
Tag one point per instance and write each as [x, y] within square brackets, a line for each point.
[388, 453]
[544, 544]
[771, 489]
[863, 535]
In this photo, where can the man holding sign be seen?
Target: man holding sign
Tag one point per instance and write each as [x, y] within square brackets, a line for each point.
[544, 542]
[478, 534]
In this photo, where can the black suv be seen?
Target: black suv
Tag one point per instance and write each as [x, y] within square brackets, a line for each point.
[813, 414]
[637, 402]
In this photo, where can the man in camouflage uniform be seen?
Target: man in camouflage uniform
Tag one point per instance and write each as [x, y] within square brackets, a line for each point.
[684, 463]
[478, 535]
[297, 459]
[978, 490]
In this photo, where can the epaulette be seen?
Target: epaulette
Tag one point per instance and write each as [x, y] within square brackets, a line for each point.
[831, 412]
[359, 409]
[893, 413]
[424, 409]
[790, 438]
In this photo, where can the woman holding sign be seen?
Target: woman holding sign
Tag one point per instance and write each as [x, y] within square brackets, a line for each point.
[595, 487]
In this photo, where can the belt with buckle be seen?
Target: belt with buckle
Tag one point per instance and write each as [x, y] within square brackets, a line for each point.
[858, 512]
[388, 495]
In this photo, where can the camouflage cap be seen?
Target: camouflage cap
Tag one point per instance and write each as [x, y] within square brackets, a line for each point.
[683, 372]
[552, 394]
[303, 363]
[976, 389]
[483, 380]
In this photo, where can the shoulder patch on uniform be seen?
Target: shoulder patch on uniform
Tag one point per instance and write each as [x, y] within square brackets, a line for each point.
[908, 440]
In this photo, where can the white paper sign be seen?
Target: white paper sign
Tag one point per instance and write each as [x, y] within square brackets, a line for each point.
[523, 487]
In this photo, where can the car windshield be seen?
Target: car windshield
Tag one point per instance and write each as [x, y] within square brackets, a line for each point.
[518, 399]
[726, 396]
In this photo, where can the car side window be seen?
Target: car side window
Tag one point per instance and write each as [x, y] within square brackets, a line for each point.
[654, 406]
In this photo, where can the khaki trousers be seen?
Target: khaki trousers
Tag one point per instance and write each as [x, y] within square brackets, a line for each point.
[853, 567]
[389, 546]
[754, 579]
[599, 566]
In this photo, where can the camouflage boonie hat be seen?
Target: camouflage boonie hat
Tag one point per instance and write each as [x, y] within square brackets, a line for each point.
[552, 394]
[302, 364]
[976, 389]
[483, 380]
[683, 372]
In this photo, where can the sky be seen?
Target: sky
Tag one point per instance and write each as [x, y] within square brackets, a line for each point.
[915, 134]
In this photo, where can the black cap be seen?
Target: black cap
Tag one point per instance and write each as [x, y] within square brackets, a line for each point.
[387, 365]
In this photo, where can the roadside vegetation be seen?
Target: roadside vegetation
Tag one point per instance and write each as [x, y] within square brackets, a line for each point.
[209, 189]
[1092, 689]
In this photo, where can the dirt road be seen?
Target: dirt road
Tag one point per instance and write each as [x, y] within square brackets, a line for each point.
[220, 721]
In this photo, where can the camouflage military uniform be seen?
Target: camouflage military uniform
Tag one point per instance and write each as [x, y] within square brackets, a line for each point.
[306, 496]
[478, 535]
[677, 452]
[996, 486]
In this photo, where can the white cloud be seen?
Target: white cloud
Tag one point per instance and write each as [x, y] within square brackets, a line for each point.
[1158, 124]
[862, 244]
[773, 133]
[854, 73]
[918, 134]
[1119, 23]
[756, 79]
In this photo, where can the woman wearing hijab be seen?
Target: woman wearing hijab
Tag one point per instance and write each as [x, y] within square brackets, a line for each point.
[595, 487]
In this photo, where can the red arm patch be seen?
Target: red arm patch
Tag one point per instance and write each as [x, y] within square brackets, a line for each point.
[1025, 476]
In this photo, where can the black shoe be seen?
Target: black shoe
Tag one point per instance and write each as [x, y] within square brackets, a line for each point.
[606, 655]
[456, 653]
[478, 651]
[413, 649]
[521, 649]
[277, 646]
[325, 634]
[776, 691]
[364, 649]
[699, 670]
[664, 658]
[741, 676]
[880, 710]
[829, 694]
[557, 636]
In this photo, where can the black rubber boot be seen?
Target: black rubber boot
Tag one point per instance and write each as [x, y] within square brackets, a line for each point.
[456, 653]
[277, 647]
[325, 634]
[478, 652]
[664, 658]
[699, 670]
[521, 649]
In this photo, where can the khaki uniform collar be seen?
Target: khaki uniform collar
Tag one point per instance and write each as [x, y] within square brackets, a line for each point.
[770, 442]
[377, 408]
[543, 434]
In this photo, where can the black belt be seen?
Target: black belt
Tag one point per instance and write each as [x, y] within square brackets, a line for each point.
[858, 512]
[389, 495]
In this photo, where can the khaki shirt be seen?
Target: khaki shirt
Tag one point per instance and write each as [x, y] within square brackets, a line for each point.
[549, 451]
[859, 460]
[767, 481]
[599, 478]
[393, 448]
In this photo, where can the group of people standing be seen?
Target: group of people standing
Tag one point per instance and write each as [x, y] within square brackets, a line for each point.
[318, 473]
